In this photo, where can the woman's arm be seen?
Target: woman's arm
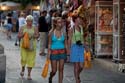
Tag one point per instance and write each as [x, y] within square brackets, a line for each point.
[66, 43]
[70, 33]
[20, 33]
[36, 34]
[49, 44]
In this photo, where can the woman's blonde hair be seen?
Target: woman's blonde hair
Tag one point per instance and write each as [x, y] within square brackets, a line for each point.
[54, 23]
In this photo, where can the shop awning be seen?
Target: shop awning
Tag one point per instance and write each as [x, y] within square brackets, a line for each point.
[9, 5]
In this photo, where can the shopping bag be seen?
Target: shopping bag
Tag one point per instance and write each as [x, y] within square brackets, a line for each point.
[45, 69]
[87, 62]
[26, 41]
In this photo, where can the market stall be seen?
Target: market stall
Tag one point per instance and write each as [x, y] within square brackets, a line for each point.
[8, 5]
[103, 28]
[119, 30]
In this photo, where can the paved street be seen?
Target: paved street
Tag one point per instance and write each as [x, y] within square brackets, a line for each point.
[95, 75]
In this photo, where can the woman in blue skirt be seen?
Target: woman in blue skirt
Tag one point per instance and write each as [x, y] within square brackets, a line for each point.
[77, 49]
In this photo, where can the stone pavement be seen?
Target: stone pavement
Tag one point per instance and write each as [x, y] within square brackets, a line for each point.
[96, 74]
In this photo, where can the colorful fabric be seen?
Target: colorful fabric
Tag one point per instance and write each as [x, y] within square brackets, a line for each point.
[75, 3]
[56, 52]
[76, 53]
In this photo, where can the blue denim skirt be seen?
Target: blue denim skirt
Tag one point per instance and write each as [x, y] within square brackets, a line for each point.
[58, 54]
[77, 53]
[9, 26]
[58, 57]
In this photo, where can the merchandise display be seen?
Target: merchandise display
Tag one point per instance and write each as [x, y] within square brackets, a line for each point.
[103, 28]
[105, 18]
[119, 30]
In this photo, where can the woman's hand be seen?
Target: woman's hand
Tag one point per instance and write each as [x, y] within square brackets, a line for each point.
[36, 34]
[20, 35]
[48, 56]
[68, 51]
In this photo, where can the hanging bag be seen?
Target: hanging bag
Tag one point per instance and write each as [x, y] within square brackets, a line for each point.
[87, 56]
[26, 41]
[45, 69]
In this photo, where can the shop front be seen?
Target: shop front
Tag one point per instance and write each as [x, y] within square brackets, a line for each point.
[119, 30]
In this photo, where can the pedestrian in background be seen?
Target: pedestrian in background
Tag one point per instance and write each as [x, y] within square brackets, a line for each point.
[57, 49]
[28, 55]
[77, 49]
[21, 22]
[43, 30]
[9, 25]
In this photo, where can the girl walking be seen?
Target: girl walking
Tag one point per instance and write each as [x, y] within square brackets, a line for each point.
[57, 49]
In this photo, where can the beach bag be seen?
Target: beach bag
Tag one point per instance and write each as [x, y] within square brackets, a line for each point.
[45, 69]
[26, 41]
[87, 57]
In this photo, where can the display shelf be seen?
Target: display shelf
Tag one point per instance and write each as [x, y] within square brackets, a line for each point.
[103, 33]
[119, 30]
[103, 28]
[104, 42]
[104, 53]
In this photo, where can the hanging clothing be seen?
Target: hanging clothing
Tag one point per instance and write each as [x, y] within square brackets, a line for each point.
[44, 5]
[75, 4]
[84, 2]
[51, 3]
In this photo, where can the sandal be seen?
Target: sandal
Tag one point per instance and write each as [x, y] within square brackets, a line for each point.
[50, 80]
[79, 79]
[21, 74]
[29, 78]
[42, 54]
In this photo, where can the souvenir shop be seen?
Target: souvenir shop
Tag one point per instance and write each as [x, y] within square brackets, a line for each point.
[110, 29]
[105, 23]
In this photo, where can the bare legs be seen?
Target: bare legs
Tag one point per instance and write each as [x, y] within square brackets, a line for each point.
[8, 33]
[29, 72]
[61, 68]
[77, 70]
[54, 70]
[22, 72]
